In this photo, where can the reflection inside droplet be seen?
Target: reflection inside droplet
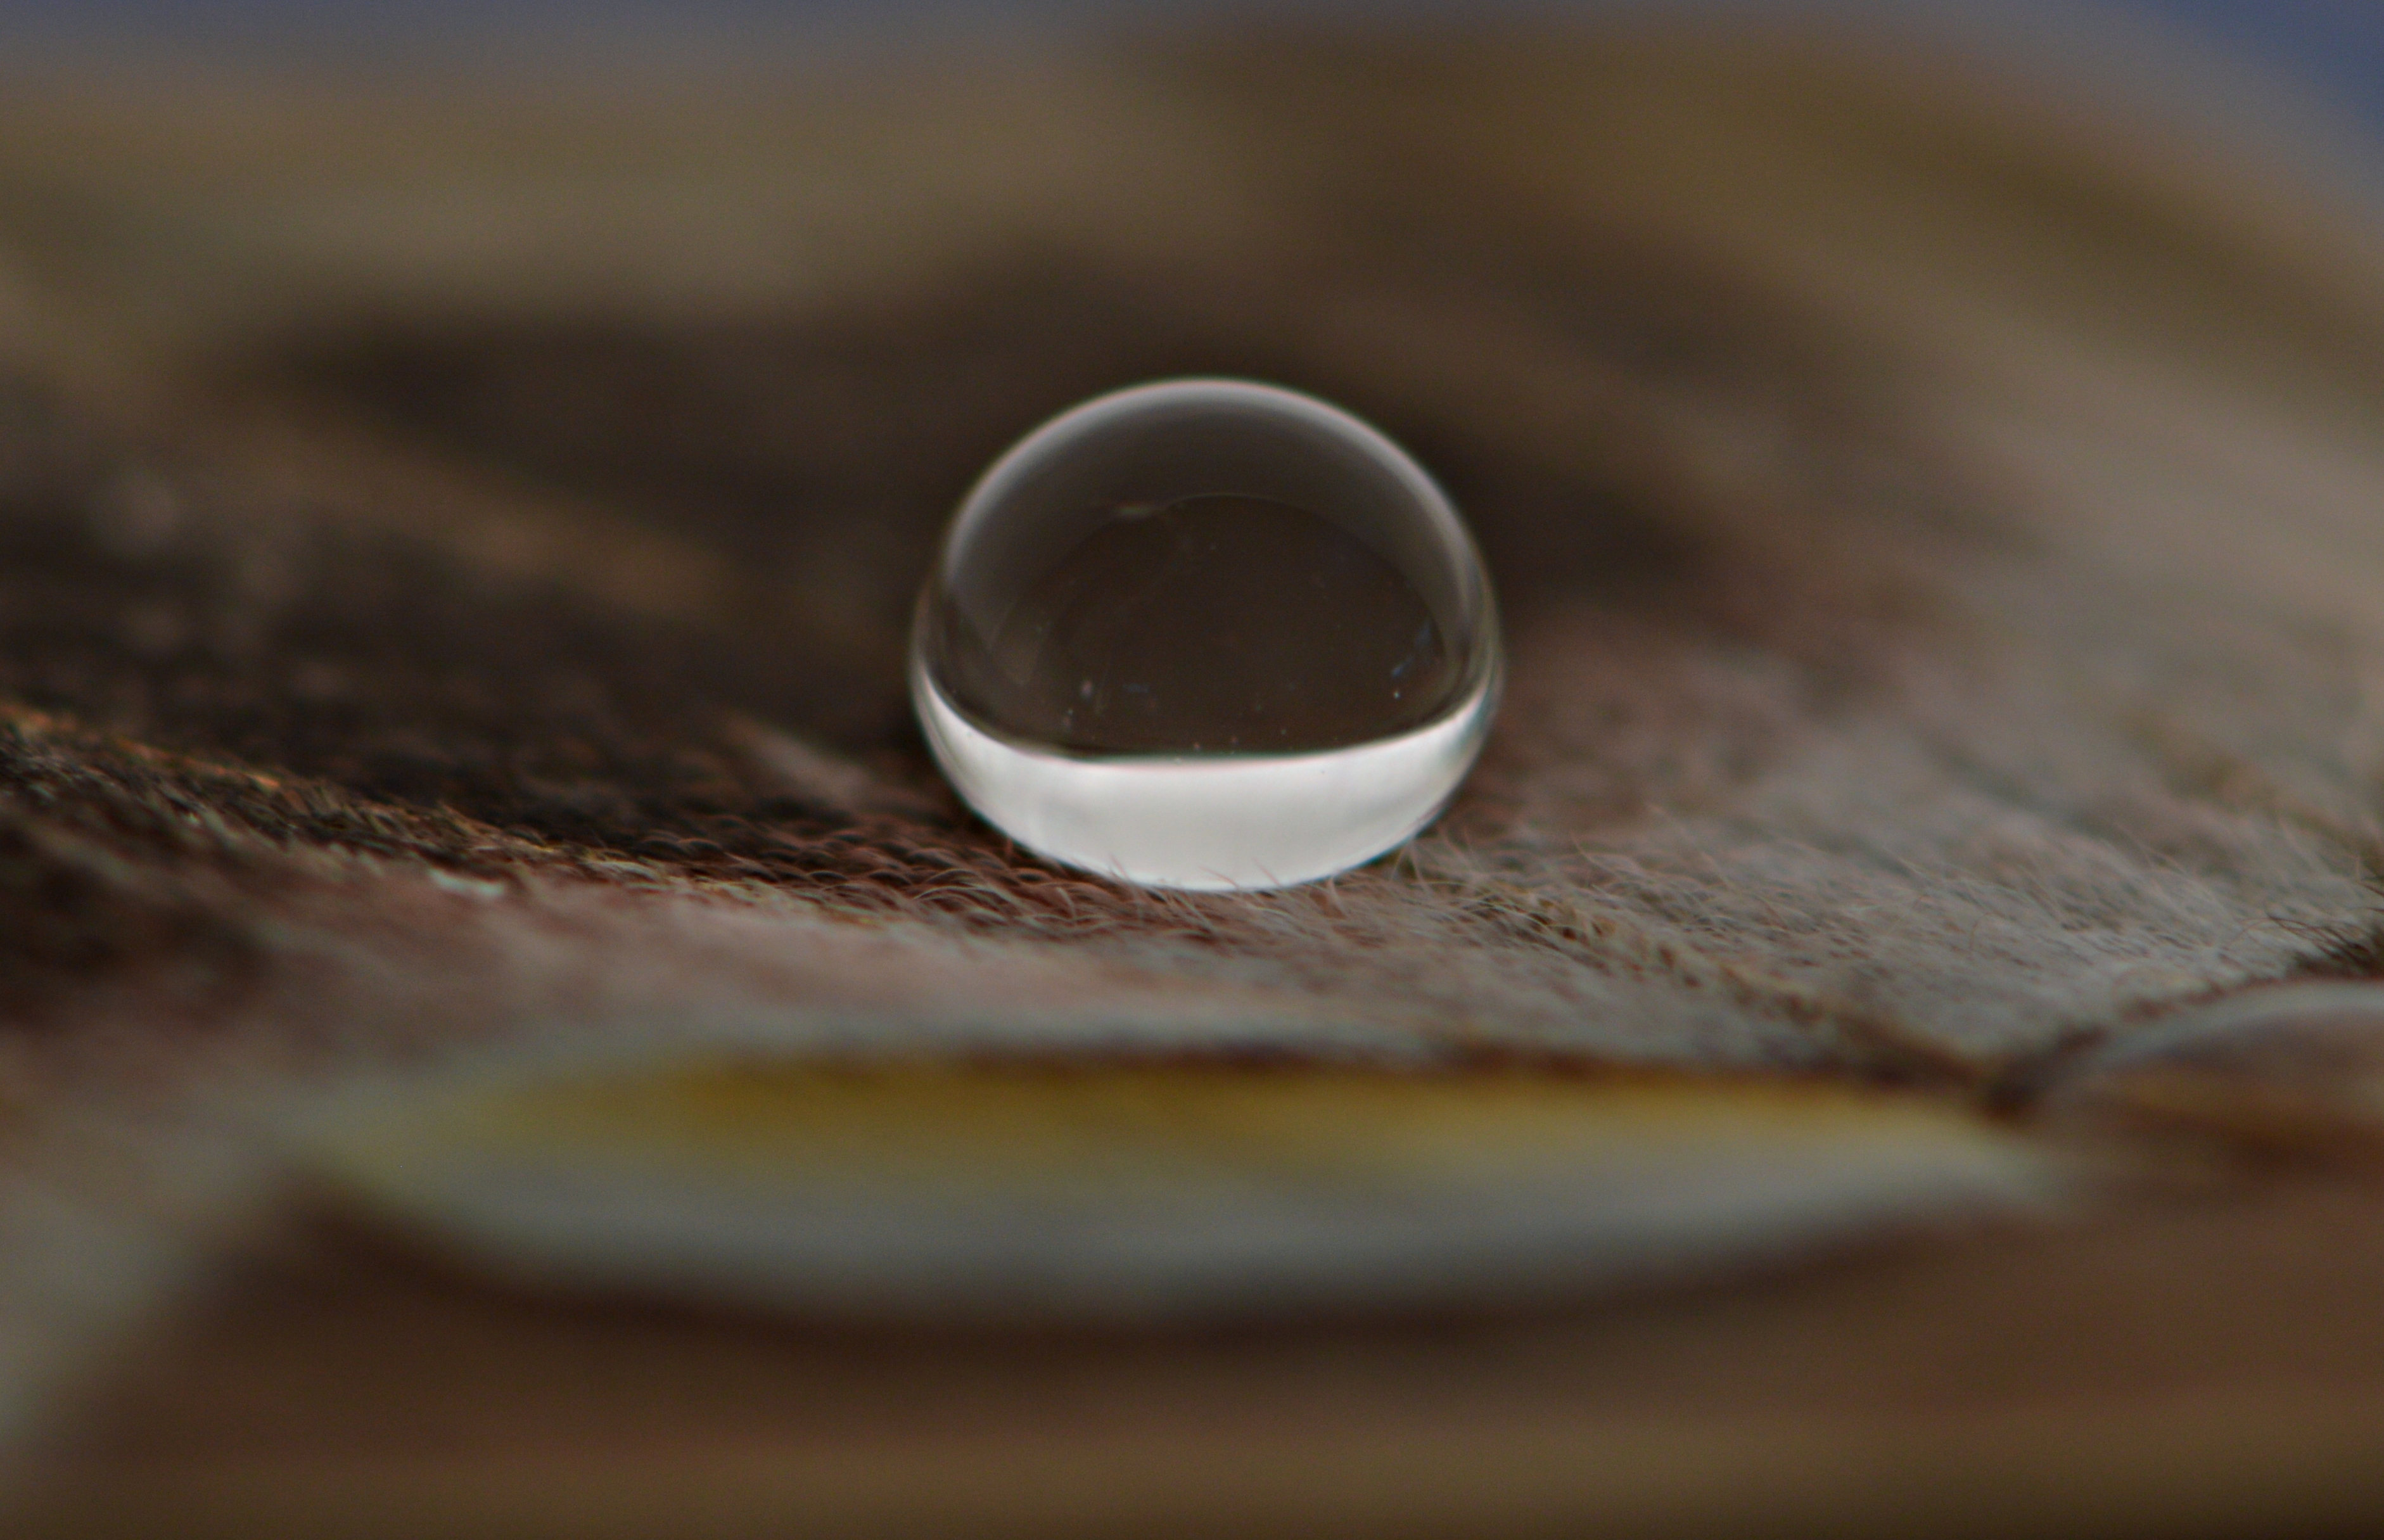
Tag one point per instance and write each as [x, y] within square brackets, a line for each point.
[1206, 634]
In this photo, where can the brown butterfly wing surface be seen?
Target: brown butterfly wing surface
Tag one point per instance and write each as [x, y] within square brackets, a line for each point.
[460, 535]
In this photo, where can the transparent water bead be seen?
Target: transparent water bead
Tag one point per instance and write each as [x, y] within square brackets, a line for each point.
[1206, 634]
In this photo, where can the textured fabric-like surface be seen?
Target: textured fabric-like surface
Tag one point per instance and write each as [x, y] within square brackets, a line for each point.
[458, 545]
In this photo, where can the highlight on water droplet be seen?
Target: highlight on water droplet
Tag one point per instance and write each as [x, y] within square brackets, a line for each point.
[1207, 634]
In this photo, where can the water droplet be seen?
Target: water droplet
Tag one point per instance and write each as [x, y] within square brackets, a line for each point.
[1206, 634]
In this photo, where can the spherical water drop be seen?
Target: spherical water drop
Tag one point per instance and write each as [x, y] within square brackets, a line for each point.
[1206, 634]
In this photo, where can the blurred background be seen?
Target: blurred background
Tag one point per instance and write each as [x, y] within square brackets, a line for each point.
[2328, 53]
